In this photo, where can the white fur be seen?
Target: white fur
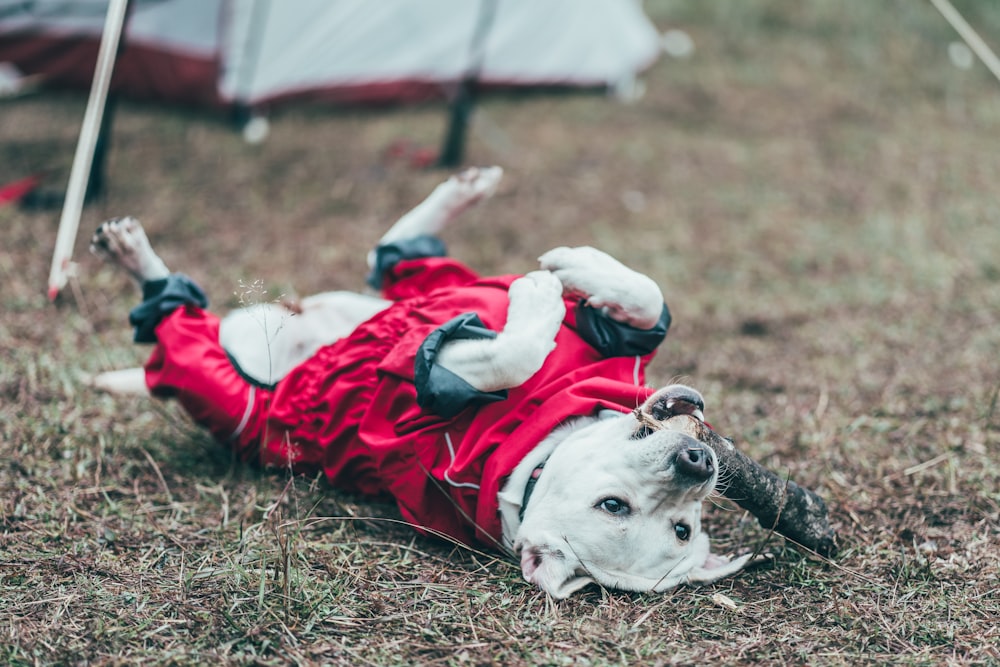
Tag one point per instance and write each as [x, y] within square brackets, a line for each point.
[443, 205]
[124, 242]
[607, 284]
[567, 538]
[127, 381]
[269, 340]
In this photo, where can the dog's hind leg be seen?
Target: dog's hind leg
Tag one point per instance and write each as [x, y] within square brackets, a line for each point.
[127, 381]
[188, 362]
[444, 204]
[123, 242]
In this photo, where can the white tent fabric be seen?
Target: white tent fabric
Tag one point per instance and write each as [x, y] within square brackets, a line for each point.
[258, 52]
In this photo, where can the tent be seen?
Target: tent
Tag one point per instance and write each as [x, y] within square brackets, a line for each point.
[259, 53]
[253, 54]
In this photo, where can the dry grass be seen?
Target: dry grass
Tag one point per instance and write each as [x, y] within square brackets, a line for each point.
[816, 191]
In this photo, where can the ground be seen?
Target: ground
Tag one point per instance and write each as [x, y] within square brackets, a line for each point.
[815, 191]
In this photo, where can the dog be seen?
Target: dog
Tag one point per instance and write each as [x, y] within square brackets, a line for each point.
[510, 411]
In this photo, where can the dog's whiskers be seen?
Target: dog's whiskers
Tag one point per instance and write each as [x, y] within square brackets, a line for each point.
[646, 419]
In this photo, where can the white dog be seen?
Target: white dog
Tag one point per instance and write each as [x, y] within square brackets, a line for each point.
[502, 410]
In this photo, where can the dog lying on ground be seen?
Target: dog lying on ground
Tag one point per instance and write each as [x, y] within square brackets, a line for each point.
[508, 410]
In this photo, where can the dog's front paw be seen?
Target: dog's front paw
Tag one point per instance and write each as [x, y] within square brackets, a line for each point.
[607, 284]
[536, 308]
[544, 286]
[588, 272]
[534, 316]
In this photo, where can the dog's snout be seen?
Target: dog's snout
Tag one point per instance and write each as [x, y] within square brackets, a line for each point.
[695, 461]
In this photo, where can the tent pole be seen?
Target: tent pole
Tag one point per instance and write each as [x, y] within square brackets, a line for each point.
[453, 148]
[86, 145]
[98, 167]
[98, 171]
[969, 36]
[242, 106]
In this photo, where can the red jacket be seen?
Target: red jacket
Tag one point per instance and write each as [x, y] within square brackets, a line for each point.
[352, 410]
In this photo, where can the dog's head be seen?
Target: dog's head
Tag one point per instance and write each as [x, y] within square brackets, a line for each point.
[619, 503]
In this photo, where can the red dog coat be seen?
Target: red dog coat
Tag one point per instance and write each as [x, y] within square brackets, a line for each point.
[352, 408]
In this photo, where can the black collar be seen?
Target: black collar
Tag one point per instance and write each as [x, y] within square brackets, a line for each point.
[529, 487]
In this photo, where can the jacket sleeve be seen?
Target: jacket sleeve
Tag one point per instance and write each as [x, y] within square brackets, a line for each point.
[389, 255]
[159, 299]
[439, 390]
[615, 339]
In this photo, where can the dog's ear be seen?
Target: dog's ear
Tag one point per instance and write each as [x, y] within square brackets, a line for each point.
[717, 567]
[558, 574]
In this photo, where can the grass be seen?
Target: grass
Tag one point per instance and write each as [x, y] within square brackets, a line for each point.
[815, 189]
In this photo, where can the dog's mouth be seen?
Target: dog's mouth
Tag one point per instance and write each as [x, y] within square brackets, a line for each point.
[677, 402]
[651, 416]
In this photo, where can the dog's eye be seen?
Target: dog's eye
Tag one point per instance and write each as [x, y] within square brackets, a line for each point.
[682, 531]
[615, 506]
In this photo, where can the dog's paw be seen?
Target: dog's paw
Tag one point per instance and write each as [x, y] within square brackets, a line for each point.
[473, 184]
[123, 241]
[536, 309]
[605, 283]
[587, 272]
[444, 204]
[127, 381]
[534, 315]
[463, 190]
[544, 285]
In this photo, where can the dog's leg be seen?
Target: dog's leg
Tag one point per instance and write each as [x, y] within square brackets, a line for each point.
[124, 382]
[605, 283]
[444, 204]
[123, 242]
[188, 363]
[535, 313]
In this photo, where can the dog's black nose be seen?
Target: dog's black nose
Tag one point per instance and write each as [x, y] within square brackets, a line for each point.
[695, 461]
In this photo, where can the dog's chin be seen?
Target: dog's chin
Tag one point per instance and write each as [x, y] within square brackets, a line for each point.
[561, 576]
